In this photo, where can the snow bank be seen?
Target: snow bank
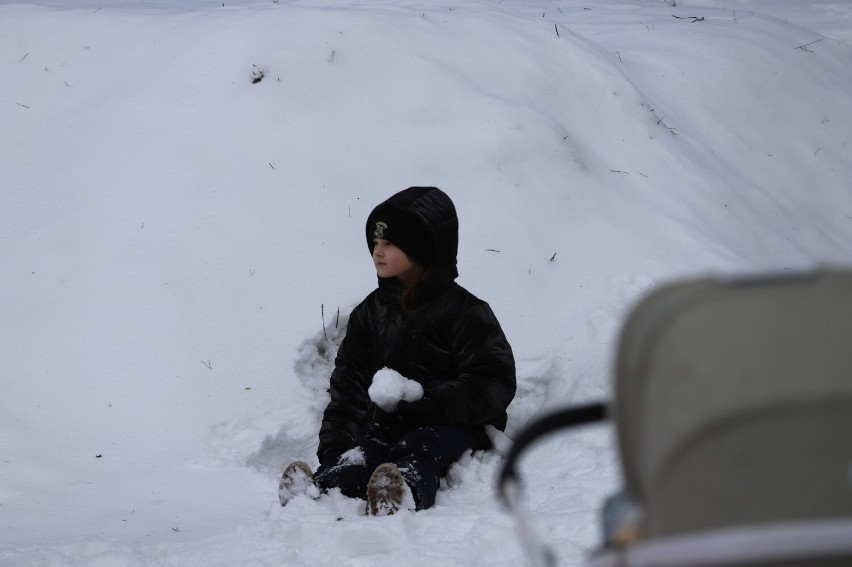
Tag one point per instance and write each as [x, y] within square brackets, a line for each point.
[182, 242]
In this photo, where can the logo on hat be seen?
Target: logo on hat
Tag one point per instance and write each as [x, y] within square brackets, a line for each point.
[380, 229]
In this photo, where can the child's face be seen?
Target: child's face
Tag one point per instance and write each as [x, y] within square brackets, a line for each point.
[392, 262]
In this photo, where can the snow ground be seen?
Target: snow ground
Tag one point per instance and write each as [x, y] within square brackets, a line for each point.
[181, 242]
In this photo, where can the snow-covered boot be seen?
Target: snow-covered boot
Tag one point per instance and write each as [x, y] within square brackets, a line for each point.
[297, 479]
[387, 491]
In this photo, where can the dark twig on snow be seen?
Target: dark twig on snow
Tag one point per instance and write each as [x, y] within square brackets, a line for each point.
[556, 27]
[805, 46]
[673, 131]
[693, 18]
[322, 314]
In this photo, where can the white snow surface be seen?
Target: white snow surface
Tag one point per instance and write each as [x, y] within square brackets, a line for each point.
[183, 194]
[389, 387]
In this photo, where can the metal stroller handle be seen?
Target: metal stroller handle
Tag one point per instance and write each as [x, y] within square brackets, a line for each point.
[571, 417]
[538, 554]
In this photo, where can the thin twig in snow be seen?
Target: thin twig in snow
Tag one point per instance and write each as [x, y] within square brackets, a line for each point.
[803, 47]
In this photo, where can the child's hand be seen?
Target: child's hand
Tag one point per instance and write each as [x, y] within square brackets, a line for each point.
[385, 419]
[408, 414]
[417, 413]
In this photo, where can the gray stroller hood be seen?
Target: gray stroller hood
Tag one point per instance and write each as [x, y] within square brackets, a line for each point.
[733, 412]
[734, 403]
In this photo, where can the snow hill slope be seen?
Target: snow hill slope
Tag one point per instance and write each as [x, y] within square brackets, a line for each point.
[182, 198]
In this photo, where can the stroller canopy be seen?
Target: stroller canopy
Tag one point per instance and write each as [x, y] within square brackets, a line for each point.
[733, 403]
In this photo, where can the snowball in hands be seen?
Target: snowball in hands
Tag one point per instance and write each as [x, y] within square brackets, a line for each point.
[389, 387]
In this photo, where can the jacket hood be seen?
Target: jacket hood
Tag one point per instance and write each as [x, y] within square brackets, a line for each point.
[435, 211]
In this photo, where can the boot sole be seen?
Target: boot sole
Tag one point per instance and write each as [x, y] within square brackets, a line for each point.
[296, 479]
[385, 491]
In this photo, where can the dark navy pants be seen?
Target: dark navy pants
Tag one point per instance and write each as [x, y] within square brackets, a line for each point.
[423, 456]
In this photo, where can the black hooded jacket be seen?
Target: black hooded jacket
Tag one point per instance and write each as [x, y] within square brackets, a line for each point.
[451, 343]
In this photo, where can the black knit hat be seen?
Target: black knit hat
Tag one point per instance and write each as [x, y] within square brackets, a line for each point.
[404, 231]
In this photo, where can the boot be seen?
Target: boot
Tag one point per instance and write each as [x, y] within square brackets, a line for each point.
[297, 479]
[386, 491]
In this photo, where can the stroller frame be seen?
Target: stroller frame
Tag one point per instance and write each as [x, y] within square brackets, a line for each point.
[733, 412]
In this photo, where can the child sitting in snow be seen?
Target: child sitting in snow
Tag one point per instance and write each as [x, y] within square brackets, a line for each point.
[423, 369]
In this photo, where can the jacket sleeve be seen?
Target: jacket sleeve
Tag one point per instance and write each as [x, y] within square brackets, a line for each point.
[486, 381]
[348, 390]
